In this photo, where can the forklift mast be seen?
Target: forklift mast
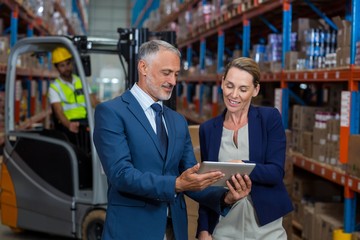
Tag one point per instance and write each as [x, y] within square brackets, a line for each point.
[130, 40]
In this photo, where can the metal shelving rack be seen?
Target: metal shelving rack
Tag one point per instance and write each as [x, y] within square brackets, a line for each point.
[34, 26]
[349, 75]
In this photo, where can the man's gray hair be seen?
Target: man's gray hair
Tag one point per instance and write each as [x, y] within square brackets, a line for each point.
[151, 47]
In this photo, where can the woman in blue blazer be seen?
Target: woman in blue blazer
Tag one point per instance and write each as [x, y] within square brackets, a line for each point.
[242, 133]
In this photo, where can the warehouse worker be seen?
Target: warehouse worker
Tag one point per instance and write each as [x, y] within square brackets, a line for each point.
[66, 95]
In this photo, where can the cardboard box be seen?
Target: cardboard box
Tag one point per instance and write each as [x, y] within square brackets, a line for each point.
[312, 188]
[301, 24]
[309, 213]
[291, 59]
[325, 224]
[192, 206]
[4, 49]
[287, 224]
[289, 171]
[192, 214]
[194, 134]
[321, 219]
[355, 236]
[353, 164]
[275, 66]
[333, 130]
[288, 134]
[344, 32]
[319, 152]
[303, 117]
[298, 213]
[320, 136]
[342, 56]
[332, 153]
[307, 143]
[296, 140]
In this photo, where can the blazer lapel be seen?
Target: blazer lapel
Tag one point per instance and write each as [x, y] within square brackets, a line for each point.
[215, 137]
[255, 134]
[135, 108]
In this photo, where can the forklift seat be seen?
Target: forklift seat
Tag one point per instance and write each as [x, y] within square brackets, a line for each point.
[52, 161]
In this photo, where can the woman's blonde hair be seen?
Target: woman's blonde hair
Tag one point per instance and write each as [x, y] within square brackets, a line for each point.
[245, 64]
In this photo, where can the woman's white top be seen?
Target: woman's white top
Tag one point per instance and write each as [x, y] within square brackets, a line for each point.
[241, 221]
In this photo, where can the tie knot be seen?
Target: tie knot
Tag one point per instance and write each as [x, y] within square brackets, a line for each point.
[157, 107]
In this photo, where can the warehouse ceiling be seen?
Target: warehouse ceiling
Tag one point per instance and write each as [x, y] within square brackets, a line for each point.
[106, 16]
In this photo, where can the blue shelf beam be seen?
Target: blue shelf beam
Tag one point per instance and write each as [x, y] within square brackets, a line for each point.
[189, 54]
[13, 28]
[229, 52]
[298, 99]
[355, 113]
[349, 212]
[202, 54]
[350, 197]
[220, 52]
[286, 36]
[269, 24]
[30, 30]
[141, 11]
[77, 11]
[321, 14]
[355, 31]
[246, 38]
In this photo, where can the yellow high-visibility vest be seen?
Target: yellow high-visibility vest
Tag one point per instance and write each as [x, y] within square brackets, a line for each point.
[72, 101]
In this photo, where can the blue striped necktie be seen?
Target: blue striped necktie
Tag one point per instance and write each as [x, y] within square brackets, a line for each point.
[160, 128]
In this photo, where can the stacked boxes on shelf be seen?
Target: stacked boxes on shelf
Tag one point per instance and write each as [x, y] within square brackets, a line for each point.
[303, 121]
[4, 49]
[343, 42]
[185, 26]
[199, 18]
[316, 134]
[32, 62]
[270, 58]
[55, 15]
[326, 135]
[316, 46]
[274, 52]
[317, 206]
[322, 219]
[167, 8]
[30, 100]
[353, 164]
[319, 43]
[357, 57]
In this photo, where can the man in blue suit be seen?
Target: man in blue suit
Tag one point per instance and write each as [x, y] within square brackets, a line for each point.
[147, 180]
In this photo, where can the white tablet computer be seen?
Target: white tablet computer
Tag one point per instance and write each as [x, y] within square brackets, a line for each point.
[228, 168]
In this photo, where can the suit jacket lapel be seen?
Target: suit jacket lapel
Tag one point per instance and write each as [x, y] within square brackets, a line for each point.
[255, 134]
[215, 139]
[135, 108]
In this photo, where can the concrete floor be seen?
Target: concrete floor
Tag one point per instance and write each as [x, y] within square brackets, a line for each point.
[7, 234]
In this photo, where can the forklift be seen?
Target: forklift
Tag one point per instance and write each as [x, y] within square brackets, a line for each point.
[49, 184]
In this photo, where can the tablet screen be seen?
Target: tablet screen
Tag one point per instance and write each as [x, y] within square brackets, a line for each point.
[228, 168]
